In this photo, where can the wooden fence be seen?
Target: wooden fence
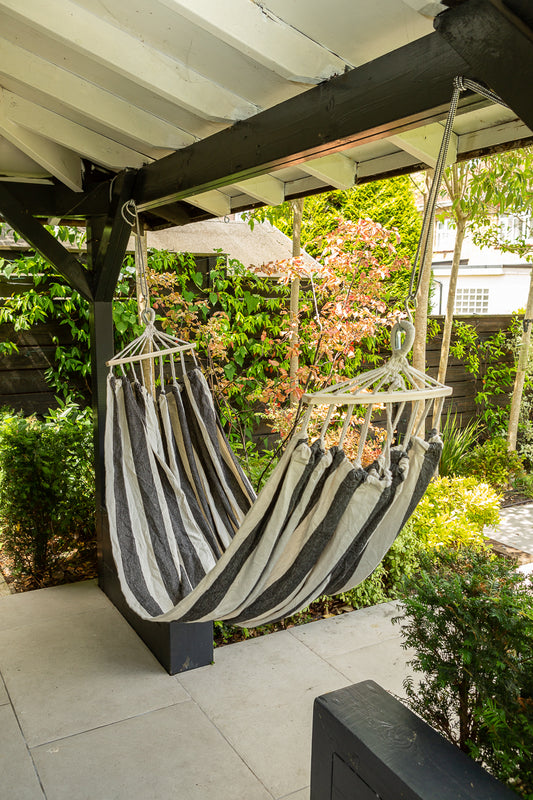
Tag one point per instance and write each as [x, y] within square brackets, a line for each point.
[23, 385]
[464, 385]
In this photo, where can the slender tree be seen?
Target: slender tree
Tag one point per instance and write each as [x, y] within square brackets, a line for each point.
[503, 184]
[424, 285]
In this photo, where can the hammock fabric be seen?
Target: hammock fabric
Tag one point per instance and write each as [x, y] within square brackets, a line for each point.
[192, 542]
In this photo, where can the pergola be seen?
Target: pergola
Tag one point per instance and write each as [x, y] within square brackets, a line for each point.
[198, 108]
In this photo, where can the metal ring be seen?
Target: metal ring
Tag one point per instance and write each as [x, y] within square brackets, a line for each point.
[402, 348]
[148, 316]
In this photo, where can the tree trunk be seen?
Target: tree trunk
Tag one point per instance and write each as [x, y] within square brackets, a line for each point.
[521, 368]
[297, 208]
[422, 297]
[450, 305]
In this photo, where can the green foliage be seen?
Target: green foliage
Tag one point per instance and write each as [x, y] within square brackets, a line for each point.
[468, 616]
[457, 444]
[501, 184]
[389, 202]
[238, 319]
[46, 488]
[488, 361]
[493, 463]
[50, 300]
[453, 513]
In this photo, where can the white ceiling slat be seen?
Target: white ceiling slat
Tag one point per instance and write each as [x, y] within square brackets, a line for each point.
[86, 99]
[99, 75]
[69, 134]
[335, 170]
[424, 144]
[214, 202]
[63, 164]
[69, 24]
[513, 130]
[249, 27]
[265, 188]
[164, 29]
[357, 31]
[14, 163]
[392, 162]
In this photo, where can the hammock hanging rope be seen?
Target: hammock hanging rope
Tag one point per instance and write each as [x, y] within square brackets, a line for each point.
[190, 539]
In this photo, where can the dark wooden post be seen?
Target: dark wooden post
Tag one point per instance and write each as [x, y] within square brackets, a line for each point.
[178, 647]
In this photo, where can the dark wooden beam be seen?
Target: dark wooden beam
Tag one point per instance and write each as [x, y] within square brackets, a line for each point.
[63, 261]
[113, 238]
[410, 86]
[498, 47]
[58, 202]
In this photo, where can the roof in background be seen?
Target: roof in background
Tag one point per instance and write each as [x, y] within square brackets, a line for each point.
[88, 89]
[232, 237]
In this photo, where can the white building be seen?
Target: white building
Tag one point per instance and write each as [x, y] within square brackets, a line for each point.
[489, 281]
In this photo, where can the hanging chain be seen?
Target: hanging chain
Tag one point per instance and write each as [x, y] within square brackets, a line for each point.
[131, 216]
[460, 84]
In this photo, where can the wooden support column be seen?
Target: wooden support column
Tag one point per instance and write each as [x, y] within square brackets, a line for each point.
[178, 647]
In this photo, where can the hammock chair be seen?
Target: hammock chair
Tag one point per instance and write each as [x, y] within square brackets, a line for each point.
[191, 540]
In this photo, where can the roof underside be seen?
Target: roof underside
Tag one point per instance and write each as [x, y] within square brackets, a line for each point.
[89, 89]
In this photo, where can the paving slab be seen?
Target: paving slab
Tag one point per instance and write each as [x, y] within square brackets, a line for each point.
[515, 528]
[74, 673]
[4, 698]
[384, 663]
[18, 778]
[341, 634]
[303, 794]
[172, 753]
[260, 694]
[30, 608]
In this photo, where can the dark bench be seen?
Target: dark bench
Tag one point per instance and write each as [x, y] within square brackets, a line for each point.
[368, 746]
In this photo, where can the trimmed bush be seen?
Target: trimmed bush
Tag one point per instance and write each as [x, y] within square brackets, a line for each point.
[493, 463]
[46, 489]
[468, 616]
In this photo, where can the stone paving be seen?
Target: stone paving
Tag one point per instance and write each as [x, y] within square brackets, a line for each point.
[87, 713]
[515, 529]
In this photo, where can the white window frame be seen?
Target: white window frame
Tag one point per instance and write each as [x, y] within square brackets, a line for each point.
[471, 300]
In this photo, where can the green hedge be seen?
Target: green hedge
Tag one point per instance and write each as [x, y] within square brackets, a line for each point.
[46, 490]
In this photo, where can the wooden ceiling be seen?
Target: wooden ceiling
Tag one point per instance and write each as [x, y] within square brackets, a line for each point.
[213, 107]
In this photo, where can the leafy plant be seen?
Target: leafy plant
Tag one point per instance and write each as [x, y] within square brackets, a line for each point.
[238, 319]
[50, 299]
[46, 489]
[468, 616]
[493, 463]
[488, 360]
[453, 513]
[457, 443]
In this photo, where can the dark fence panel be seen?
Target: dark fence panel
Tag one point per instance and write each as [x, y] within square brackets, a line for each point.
[23, 385]
[465, 385]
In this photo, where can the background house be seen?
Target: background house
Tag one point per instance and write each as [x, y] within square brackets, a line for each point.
[489, 281]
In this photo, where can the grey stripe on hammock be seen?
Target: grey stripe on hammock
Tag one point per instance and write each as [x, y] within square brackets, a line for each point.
[284, 576]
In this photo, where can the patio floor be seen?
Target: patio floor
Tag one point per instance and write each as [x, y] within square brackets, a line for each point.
[87, 712]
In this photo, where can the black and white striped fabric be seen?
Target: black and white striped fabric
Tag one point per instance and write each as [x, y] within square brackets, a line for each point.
[192, 542]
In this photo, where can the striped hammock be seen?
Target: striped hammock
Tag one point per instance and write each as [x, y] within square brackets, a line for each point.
[193, 543]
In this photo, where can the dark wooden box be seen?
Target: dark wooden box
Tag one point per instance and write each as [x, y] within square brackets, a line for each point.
[368, 746]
